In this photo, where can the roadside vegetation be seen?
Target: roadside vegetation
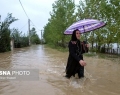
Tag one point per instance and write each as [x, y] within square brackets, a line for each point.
[20, 39]
[65, 12]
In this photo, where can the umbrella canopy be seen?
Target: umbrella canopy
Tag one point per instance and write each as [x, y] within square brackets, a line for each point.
[85, 25]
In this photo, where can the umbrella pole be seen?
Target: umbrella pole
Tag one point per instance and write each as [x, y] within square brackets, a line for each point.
[85, 37]
[85, 34]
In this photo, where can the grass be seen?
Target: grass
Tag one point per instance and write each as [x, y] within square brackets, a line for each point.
[59, 48]
[90, 54]
[111, 57]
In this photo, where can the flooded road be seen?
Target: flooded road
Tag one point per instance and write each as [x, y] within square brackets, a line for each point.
[101, 75]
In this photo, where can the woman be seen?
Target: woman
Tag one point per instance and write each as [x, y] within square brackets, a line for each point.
[75, 62]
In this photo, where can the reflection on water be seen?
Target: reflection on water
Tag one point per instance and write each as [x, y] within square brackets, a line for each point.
[101, 75]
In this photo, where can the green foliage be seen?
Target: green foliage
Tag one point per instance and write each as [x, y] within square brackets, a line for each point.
[5, 33]
[62, 16]
[34, 37]
[19, 39]
[107, 11]
[5, 40]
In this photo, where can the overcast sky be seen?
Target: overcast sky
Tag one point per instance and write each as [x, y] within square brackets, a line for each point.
[37, 10]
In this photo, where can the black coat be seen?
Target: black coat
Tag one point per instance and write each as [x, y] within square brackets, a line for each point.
[76, 51]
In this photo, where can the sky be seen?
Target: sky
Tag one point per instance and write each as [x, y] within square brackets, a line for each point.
[37, 10]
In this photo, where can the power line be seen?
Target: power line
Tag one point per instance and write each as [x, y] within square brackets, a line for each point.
[27, 15]
[23, 26]
[34, 25]
[23, 9]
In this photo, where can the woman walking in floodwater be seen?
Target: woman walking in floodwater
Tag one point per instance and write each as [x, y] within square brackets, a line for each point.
[75, 62]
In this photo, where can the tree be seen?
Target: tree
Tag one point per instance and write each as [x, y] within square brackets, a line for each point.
[5, 33]
[106, 11]
[20, 40]
[34, 37]
[62, 16]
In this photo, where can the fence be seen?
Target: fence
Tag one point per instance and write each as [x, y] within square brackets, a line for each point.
[112, 51]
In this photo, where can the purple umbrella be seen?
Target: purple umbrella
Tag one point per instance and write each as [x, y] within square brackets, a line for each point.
[85, 25]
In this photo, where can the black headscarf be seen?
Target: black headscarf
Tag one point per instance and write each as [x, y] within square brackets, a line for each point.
[73, 37]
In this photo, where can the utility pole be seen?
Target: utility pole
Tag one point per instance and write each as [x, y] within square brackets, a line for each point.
[0, 26]
[29, 31]
[0, 20]
[41, 36]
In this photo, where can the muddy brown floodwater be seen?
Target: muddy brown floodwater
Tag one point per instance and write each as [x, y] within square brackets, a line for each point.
[102, 76]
